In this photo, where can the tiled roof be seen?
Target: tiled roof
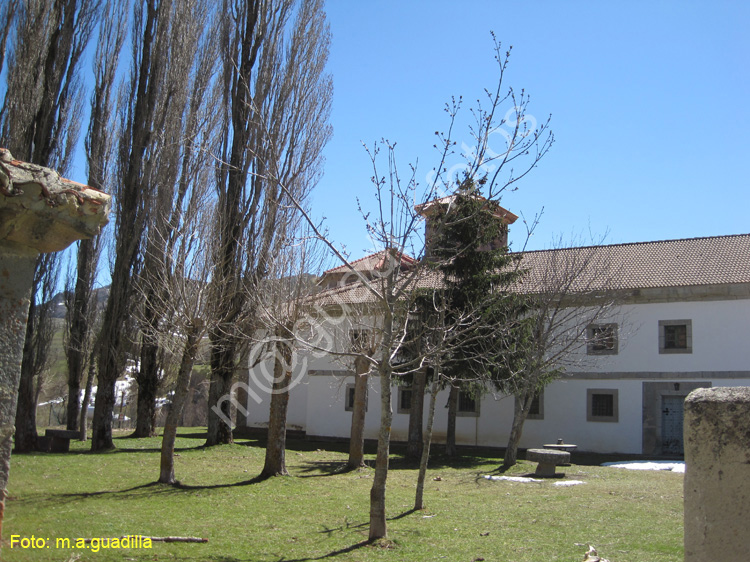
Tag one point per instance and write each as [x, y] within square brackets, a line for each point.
[667, 263]
[371, 262]
[713, 260]
[357, 293]
[501, 212]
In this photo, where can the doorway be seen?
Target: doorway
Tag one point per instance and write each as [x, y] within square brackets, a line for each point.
[662, 415]
[671, 425]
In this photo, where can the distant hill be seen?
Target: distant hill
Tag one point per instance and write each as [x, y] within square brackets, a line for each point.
[58, 302]
[102, 294]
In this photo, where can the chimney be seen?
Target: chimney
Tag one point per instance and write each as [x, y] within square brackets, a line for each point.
[430, 210]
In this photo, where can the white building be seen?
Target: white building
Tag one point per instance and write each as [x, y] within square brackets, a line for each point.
[685, 324]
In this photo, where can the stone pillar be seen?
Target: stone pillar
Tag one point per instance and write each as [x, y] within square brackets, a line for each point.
[717, 474]
[39, 212]
[16, 275]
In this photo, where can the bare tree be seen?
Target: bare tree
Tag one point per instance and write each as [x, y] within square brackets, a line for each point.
[284, 300]
[569, 289]
[186, 297]
[390, 287]
[469, 348]
[365, 344]
[276, 102]
[146, 105]
[40, 117]
[186, 137]
[469, 324]
[99, 157]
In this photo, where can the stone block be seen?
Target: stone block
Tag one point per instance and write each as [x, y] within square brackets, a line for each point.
[717, 474]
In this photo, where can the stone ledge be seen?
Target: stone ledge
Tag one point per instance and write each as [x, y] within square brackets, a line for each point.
[43, 211]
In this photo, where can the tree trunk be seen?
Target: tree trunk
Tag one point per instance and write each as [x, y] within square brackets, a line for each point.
[275, 464]
[79, 326]
[419, 497]
[26, 435]
[378, 525]
[414, 445]
[148, 384]
[450, 436]
[87, 398]
[521, 406]
[144, 97]
[110, 361]
[71, 416]
[222, 374]
[152, 280]
[166, 470]
[104, 408]
[359, 411]
[75, 353]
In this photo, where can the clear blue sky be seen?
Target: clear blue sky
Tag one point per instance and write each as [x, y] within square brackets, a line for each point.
[649, 104]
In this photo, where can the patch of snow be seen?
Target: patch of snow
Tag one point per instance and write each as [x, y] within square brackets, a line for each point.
[672, 466]
[569, 482]
[512, 478]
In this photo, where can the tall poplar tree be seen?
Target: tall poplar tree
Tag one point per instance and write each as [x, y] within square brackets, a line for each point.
[276, 103]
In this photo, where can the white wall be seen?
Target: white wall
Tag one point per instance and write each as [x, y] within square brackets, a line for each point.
[720, 334]
[720, 346]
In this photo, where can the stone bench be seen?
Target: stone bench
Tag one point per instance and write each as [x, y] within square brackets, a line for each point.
[58, 440]
[548, 459]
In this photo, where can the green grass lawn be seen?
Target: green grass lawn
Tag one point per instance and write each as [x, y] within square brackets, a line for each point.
[322, 511]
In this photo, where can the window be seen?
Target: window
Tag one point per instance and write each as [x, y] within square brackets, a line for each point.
[359, 339]
[602, 405]
[602, 339]
[536, 411]
[349, 398]
[468, 405]
[404, 400]
[675, 336]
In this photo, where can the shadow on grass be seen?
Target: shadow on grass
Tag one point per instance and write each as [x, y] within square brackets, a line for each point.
[330, 530]
[310, 469]
[352, 548]
[332, 554]
[152, 488]
[502, 469]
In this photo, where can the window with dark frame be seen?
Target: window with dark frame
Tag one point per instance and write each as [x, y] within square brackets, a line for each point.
[675, 336]
[404, 400]
[602, 405]
[602, 339]
[467, 404]
[349, 398]
[536, 410]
